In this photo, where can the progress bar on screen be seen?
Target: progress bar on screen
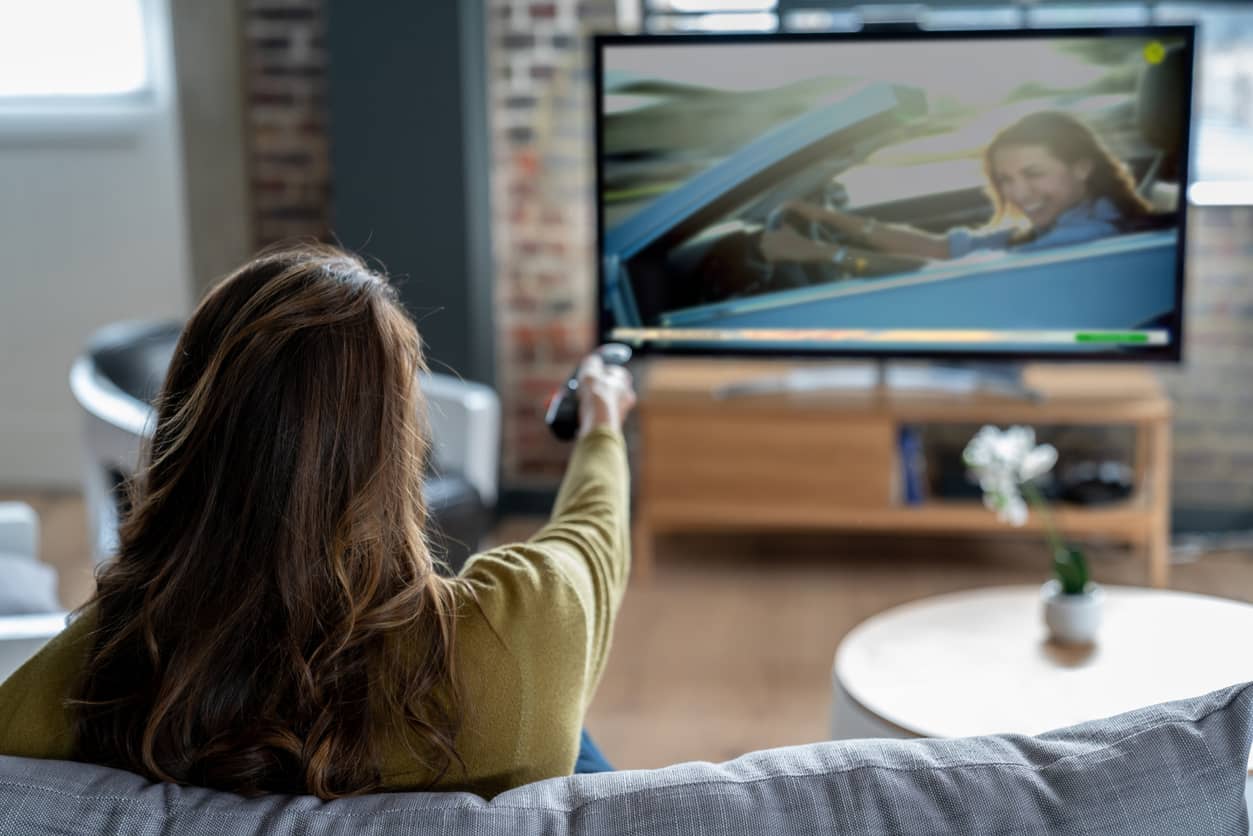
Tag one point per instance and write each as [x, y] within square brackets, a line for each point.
[874, 335]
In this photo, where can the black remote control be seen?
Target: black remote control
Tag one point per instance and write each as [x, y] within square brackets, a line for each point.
[562, 416]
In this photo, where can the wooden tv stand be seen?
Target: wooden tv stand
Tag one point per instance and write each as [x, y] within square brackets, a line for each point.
[829, 459]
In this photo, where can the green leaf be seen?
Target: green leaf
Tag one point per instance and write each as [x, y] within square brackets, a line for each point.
[1071, 570]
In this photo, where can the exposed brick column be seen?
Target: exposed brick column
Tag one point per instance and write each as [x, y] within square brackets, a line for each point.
[543, 213]
[1213, 391]
[285, 72]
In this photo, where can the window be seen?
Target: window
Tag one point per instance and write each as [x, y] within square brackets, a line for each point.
[1222, 129]
[53, 49]
[711, 16]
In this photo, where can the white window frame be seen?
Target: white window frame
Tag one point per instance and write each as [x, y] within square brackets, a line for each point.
[73, 116]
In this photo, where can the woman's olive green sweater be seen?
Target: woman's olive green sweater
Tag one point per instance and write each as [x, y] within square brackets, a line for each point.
[532, 640]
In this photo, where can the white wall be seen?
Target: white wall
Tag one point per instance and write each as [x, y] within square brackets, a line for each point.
[212, 89]
[92, 230]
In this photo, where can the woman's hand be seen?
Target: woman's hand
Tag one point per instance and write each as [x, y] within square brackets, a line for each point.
[899, 239]
[805, 209]
[845, 223]
[606, 395]
[788, 245]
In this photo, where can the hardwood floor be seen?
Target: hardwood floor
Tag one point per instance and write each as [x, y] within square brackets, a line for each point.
[729, 648]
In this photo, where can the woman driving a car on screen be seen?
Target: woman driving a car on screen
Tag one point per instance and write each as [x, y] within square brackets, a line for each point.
[1047, 168]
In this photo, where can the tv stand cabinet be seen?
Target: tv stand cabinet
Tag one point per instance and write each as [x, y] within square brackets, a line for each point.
[829, 459]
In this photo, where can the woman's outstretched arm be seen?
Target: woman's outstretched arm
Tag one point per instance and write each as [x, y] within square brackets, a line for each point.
[591, 518]
[785, 245]
[568, 581]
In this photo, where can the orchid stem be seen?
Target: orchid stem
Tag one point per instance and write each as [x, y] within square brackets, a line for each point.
[1033, 495]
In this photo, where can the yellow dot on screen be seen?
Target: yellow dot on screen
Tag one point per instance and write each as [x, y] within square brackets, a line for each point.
[1154, 52]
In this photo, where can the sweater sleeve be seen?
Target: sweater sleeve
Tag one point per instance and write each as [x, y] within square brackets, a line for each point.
[34, 719]
[590, 532]
[572, 575]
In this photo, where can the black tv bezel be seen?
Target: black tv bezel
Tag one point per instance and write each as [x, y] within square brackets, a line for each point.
[1172, 353]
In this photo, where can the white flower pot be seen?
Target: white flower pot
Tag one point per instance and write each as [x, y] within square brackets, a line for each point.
[1072, 619]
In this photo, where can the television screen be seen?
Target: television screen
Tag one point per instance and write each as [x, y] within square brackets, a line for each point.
[1011, 194]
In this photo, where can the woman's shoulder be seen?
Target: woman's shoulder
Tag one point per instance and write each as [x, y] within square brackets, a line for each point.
[521, 585]
[1103, 209]
[1094, 220]
[34, 718]
[964, 240]
[1099, 215]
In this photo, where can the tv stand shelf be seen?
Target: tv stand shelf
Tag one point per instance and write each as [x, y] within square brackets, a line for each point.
[829, 459]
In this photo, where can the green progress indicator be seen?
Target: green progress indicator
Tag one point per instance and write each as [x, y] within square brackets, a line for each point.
[1111, 337]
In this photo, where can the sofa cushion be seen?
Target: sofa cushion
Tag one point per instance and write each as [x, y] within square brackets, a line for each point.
[1177, 768]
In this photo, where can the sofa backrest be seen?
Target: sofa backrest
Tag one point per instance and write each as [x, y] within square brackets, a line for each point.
[1177, 768]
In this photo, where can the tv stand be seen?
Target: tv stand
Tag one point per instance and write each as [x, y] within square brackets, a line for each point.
[1002, 379]
[826, 457]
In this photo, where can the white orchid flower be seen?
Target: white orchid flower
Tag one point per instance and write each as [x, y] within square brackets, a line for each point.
[1003, 460]
[1013, 511]
[1005, 463]
[1006, 501]
[1037, 461]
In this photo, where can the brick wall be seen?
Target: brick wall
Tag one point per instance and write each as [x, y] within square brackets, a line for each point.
[543, 215]
[285, 69]
[1213, 390]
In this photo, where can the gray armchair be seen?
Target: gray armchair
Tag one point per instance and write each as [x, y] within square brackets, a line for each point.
[116, 379]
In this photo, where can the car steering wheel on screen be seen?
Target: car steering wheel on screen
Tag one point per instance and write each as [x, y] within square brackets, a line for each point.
[783, 275]
[851, 261]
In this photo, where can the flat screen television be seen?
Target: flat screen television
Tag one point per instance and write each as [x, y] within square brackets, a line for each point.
[993, 195]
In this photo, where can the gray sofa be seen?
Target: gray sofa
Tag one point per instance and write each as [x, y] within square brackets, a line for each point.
[1178, 768]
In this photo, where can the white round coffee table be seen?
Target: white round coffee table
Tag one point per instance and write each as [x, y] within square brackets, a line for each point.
[978, 662]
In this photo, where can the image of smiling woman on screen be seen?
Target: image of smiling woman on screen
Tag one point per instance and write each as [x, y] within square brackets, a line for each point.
[1048, 169]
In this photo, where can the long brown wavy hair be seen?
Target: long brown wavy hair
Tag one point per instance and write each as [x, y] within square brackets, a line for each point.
[1070, 141]
[273, 611]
